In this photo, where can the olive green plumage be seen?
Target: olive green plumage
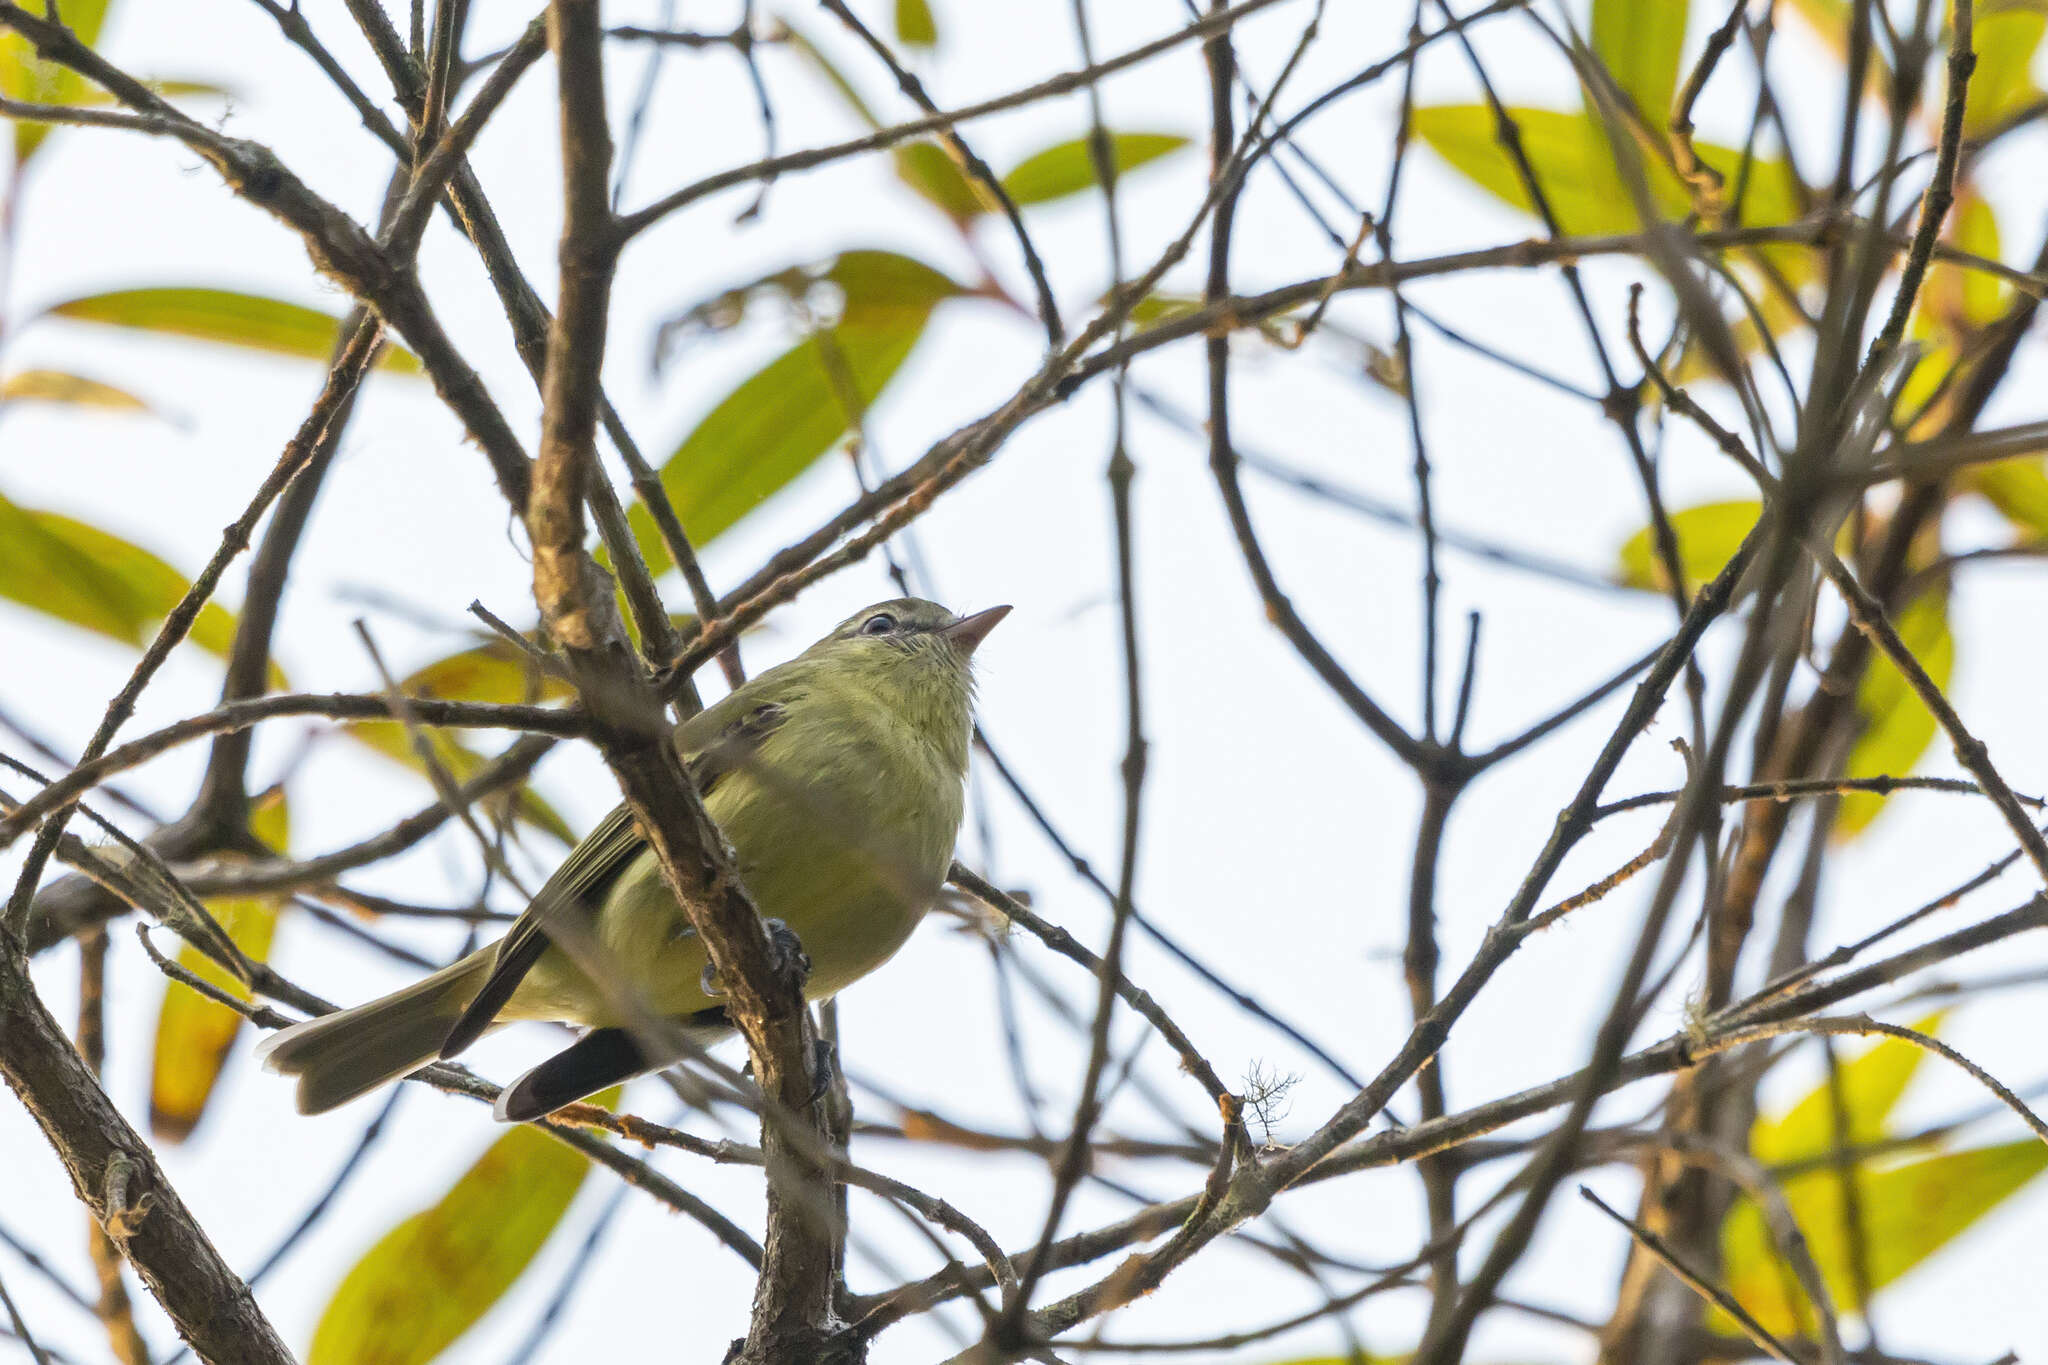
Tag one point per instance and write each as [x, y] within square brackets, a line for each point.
[838, 779]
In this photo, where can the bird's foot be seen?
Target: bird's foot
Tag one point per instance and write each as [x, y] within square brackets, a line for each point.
[785, 954]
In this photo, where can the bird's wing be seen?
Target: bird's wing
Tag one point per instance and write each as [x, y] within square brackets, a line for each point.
[580, 883]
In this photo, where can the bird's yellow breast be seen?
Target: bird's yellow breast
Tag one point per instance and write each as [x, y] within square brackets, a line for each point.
[843, 822]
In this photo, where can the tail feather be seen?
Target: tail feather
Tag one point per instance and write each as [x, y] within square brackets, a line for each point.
[351, 1052]
[600, 1059]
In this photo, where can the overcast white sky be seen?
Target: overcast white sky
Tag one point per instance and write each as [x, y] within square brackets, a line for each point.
[1277, 833]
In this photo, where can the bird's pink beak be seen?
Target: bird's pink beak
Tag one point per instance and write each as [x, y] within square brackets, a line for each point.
[969, 631]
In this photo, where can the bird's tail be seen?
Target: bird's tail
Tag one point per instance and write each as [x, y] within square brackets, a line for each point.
[351, 1052]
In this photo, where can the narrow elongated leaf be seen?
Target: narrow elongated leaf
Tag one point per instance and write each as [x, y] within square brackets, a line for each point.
[82, 575]
[1574, 165]
[25, 76]
[225, 315]
[1568, 152]
[862, 283]
[777, 422]
[1910, 1211]
[432, 1277]
[1158, 307]
[194, 1034]
[1898, 727]
[930, 169]
[771, 428]
[490, 672]
[1069, 167]
[1708, 536]
[72, 390]
[170, 89]
[1871, 1085]
[1640, 42]
[914, 23]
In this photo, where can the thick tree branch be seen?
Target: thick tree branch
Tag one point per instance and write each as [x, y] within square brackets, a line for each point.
[117, 1178]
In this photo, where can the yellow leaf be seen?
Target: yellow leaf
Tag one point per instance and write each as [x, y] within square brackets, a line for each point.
[491, 672]
[77, 573]
[1708, 536]
[2007, 35]
[1910, 1211]
[55, 386]
[2018, 488]
[914, 24]
[1871, 1086]
[434, 1275]
[25, 76]
[224, 315]
[194, 1034]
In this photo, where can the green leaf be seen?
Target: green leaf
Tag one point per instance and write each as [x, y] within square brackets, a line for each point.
[1898, 727]
[1069, 167]
[1640, 42]
[432, 1277]
[780, 420]
[193, 1033]
[1158, 307]
[1910, 1211]
[914, 23]
[73, 390]
[93, 96]
[1708, 536]
[2006, 37]
[1574, 165]
[1871, 1085]
[1568, 152]
[227, 316]
[862, 283]
[930, 169]
[27, 77]
[82, 575]
[491, 672]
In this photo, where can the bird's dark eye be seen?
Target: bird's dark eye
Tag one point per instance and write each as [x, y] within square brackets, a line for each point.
[881, 623]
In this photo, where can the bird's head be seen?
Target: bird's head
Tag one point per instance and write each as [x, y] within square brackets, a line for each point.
[914, 657]
[909, 632]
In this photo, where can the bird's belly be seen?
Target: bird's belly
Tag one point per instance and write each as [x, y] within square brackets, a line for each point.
[851, 898]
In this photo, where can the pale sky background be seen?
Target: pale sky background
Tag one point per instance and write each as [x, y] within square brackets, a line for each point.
[1277, 832]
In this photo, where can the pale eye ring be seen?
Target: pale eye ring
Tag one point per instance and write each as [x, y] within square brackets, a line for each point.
[881, 623]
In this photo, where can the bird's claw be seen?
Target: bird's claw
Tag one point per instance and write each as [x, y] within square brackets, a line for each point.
[785, 952]
[824, 1068]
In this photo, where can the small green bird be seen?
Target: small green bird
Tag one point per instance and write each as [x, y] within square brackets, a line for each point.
[838, 779]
